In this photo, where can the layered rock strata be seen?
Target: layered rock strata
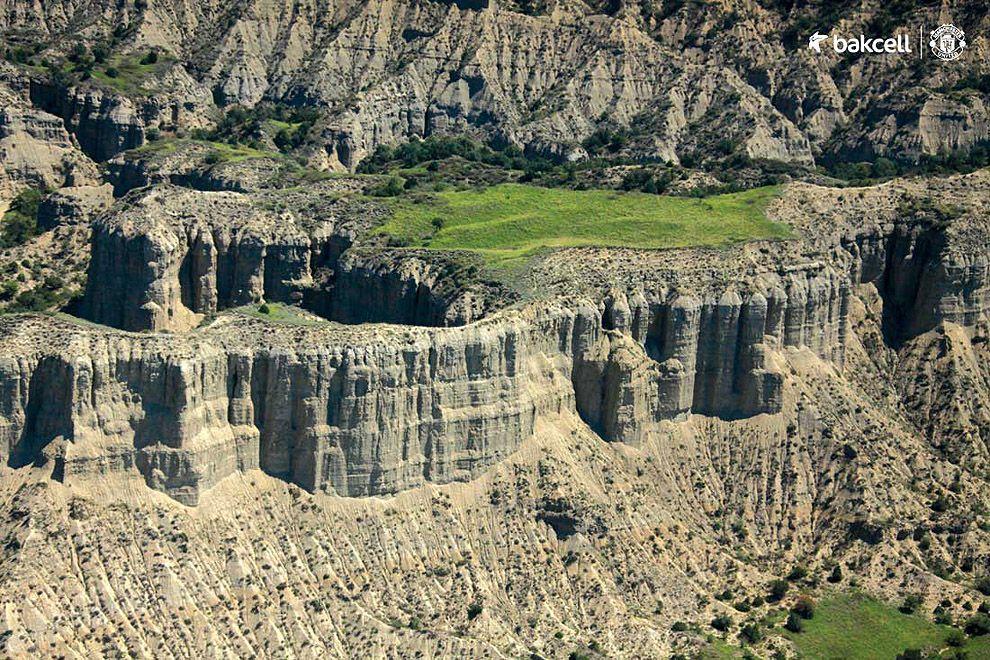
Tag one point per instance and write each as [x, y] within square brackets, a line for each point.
[923, 277]
[357, 413]
[175, 256]
[378, 409]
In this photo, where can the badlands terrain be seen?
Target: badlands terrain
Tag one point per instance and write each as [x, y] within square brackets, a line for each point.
[491, 329]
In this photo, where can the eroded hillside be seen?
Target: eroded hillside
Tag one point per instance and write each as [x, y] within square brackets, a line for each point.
[610, 440]
[683, 81]
[615, 362]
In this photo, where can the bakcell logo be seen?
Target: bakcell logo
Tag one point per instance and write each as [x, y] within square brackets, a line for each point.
[861, 44]
[815, 42]
[946, 42]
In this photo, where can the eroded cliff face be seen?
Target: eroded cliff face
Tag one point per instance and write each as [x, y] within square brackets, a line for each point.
[924, 251]
[361, 411]
[106, 121]
[374, 411]
[543, 77]
[713, 355]
[169, 257]
[174, 256]
[400, 286]
[922, 279]
[341, 413]
[103, 123]
[35, 148]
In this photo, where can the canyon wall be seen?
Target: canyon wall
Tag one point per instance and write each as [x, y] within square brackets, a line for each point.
[175, 256]
[357, 414]
[377, 409]
[922, 275]
[373, 409]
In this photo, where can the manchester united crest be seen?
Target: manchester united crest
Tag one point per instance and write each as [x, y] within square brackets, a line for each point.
[947, 41]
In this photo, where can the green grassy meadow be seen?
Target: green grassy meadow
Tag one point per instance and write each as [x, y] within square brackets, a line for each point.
[131, 73]
[279, 313]
[857, 627]
[511, 221]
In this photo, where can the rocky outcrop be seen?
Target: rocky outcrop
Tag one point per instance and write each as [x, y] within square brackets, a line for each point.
[73, 205]
[174, 256]
[35, 148]
[923, 279]
[399, 286]
[104, 124]
[378, 409]
[106, 121]
[351, 414]
[711, 356]
[922, 244]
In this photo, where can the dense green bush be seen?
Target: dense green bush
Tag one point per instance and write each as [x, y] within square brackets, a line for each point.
[20, 222]
[391, 187]
[722, 623]
[752, 633]
[416, 152]
[804, 607]
[978, 625]
[778, 589]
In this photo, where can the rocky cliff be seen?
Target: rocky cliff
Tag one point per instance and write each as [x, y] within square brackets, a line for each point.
[339, 412]
[171, 256]
[367, 413]
[924, 251]
[686, 81]
[370, 412]
[35, 148]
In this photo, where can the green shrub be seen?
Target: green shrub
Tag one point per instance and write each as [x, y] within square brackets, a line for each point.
[38, 299]
[8, 290]
[911, 603]
[721, 623]
[474, 610]
[751, 633]
[111, 72]
[794, 622]
[778, 589]
[393, 186]
[150, 57]
[799, 572]
[804, 607]
[100, 53]
[263, 308]
[20, 222]
[983, 585]
[978, 625]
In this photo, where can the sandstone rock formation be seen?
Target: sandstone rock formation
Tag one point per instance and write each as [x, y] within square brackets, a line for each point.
[35, 149]
[367, 412]
[689, 80]
[252, 426]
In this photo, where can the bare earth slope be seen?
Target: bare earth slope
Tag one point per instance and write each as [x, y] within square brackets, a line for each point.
[688, 79]
[250, 422]
[576, 472]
